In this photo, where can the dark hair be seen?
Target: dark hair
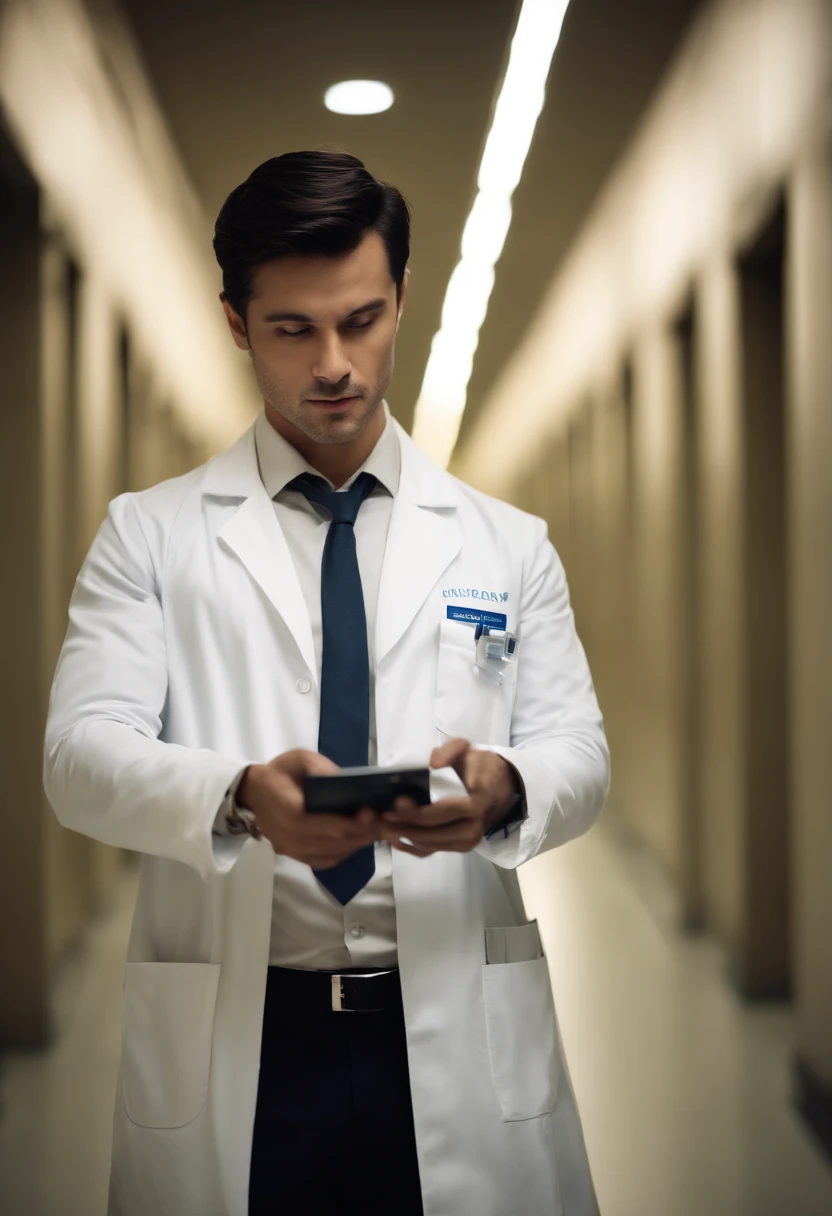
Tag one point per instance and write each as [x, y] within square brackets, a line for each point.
[315, 203]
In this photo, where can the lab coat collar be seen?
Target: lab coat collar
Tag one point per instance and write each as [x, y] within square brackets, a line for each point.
[279, 462]
[422, 481]
[235, 473]
[255, 536]
[424, 538]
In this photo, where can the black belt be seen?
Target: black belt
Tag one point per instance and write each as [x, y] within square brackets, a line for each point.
[353, 991]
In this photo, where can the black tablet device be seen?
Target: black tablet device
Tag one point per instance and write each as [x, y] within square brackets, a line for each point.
[346, 792]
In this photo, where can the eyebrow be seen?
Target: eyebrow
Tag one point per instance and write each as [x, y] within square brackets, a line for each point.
[372, 306]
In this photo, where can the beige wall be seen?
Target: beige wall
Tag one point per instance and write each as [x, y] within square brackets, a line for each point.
[69, 888]
[720, 599]
[655, 611]
[718, 713]
[23, 961]
[105, 190]
[113, 181]
[810, 575]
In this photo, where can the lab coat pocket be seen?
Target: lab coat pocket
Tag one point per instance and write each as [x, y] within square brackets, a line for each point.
[168, 1026]
[522, 1037]
[468, 703]
[513, 944]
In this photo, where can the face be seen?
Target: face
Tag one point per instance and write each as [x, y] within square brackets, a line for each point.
[321, 333]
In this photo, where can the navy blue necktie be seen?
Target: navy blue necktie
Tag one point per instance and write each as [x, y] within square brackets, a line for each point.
[344, 731]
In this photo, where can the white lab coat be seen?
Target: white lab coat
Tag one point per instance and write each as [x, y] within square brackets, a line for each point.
[187, 656]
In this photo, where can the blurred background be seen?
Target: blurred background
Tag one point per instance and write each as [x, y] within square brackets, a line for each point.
[652, 376]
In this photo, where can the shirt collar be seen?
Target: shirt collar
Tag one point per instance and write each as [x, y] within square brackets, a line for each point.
[279, 462]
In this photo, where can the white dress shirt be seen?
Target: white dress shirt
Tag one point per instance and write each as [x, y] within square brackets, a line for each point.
[310, 929]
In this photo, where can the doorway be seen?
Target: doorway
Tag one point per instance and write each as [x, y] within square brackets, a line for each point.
[689, 592]
[23, 964]
[763, 963]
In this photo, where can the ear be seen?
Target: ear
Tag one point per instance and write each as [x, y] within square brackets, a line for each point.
[235, 323]
[402, 297]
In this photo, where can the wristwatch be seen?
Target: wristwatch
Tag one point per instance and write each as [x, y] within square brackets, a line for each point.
[239, 820]
[511, 821]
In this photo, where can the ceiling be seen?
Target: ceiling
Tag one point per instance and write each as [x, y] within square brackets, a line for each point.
[241, 82]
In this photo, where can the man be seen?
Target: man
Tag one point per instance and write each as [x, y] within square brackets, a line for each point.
[316, 597]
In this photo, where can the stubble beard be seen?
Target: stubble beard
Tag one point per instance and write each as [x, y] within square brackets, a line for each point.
[317, 425]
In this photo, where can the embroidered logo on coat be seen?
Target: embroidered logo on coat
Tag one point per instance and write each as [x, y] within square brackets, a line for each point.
[474, 593]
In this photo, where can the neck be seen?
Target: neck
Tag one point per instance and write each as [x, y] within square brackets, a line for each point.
[335, 461]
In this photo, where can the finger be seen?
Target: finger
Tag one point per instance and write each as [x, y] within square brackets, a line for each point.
[362, 827]
[321, 861]
[365, 818]
[449, 753]
[426, 816]
[403, 845]
[336, 852]
[404, 809]
[335, 845]
[404, 805]
[330, 826]
[301, 762]
[444, 810]
[324, 858]
[322, 852]
[456, 838]
[286, 792]
[319, 766]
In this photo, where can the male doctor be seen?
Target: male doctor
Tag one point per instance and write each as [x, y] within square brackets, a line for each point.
[323, 1014]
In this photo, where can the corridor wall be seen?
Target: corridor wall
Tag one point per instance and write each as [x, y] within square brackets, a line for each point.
[118, 373]
[701, 279]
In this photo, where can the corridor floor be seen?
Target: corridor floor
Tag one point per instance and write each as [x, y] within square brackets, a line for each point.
[684, 1092]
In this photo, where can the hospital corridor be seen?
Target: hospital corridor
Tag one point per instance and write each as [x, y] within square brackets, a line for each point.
[615, 318]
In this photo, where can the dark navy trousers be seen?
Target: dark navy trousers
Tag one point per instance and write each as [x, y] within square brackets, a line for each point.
[333, 1129]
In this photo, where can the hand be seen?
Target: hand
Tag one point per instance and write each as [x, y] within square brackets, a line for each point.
[274, 793]
[455, 825]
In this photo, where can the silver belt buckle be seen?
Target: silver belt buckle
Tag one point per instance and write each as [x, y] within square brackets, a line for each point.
[338, 1005]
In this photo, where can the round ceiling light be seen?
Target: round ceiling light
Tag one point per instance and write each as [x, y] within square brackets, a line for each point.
[358, 97]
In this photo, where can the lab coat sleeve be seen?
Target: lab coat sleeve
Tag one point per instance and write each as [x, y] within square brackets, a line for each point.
[106, 772]
[558, 745]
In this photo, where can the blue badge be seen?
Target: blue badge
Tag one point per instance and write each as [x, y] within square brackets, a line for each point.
[477, 616]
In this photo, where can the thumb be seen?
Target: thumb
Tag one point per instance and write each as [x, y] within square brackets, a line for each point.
[318, 765]
[303, 763]
[451, 754]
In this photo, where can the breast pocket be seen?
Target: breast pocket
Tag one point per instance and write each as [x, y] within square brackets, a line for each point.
[168, 1031]
[521, 1027]
[468, 703]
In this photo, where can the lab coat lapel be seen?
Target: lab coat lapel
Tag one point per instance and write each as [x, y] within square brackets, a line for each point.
[423, 539]
[255, 536]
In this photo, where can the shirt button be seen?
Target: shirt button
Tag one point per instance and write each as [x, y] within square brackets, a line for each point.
[303, 685]
[357, 931]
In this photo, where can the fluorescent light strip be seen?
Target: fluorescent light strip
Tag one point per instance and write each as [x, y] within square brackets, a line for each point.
[445, 386]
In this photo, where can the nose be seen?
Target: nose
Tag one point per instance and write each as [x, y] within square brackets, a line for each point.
[331, 363]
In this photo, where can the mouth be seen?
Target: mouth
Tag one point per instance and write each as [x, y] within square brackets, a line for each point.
[332, 403]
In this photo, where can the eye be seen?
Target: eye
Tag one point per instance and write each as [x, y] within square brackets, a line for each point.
[294, 333]
[360, 324]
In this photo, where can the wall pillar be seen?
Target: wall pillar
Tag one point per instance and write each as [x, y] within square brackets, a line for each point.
[23, 942]
[721, 727]
[810, 528]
